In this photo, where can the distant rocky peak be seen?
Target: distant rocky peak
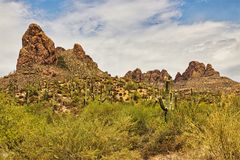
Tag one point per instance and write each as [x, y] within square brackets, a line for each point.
[78, 51]
[178, 77]
[153, 77]
[210, 71]
[37, 48]
[196, 70]
[135, 75]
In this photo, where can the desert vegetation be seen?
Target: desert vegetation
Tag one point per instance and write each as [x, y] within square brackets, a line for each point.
[121, 130]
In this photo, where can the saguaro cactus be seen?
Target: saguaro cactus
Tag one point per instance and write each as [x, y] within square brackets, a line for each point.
[168, 100]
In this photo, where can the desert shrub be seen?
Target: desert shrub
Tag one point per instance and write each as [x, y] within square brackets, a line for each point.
[219, 136]
[118, 130]
[101, 131]
[222, 135]
[131, 86]
[61, 62]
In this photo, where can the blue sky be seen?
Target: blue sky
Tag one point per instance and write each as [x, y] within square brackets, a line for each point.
[121, 35]
[216, 10]
[192, 10]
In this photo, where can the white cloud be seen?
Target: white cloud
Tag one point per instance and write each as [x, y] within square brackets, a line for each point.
[14, 18]
[119, 37]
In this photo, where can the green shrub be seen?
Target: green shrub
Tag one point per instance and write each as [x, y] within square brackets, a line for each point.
[219, 136]
[119, 130]
[61, 62]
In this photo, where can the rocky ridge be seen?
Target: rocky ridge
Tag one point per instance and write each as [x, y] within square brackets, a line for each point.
[197, 70]
[153, 77]
[39, 51]
[204, 78]
[40, 60]
[198, 77]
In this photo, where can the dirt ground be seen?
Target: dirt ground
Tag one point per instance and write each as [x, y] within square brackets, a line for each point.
[178, 156]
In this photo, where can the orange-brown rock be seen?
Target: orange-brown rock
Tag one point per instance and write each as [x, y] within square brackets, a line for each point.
[37, 48]
[78, 51]
[194, 70]
[156, 76]
[178, 77]
[210, 71]
[201, 78]
[49, 72]
[197, 70]
[59, 50]
[152, 77]
[135, 75]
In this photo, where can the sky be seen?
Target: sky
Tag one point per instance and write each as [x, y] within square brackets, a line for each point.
[121, 35]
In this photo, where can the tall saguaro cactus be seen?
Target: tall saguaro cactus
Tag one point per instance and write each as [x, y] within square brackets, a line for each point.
[168, 100]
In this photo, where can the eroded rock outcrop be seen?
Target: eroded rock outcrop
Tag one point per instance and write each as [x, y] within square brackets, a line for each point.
[152, 77]
[210, 71]
[135, 75]
[194, 70]
[156, 76]
[78, 51]
[197, 70]
[38, 54]
[37, 48]
[178, 77]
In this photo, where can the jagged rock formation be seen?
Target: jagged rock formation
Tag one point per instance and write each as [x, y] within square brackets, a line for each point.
[152, 77]
[196, 70]
[135, 75]
[40, 60]
[156, 76]
[199, 77]
[39, 55]
[178, 77]
[37, 48]
[78, 51]
[209, 71]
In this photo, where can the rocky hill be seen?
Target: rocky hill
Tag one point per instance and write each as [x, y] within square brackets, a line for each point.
[40, 60]
[197, 77]
[197, 70]
[204, 78]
